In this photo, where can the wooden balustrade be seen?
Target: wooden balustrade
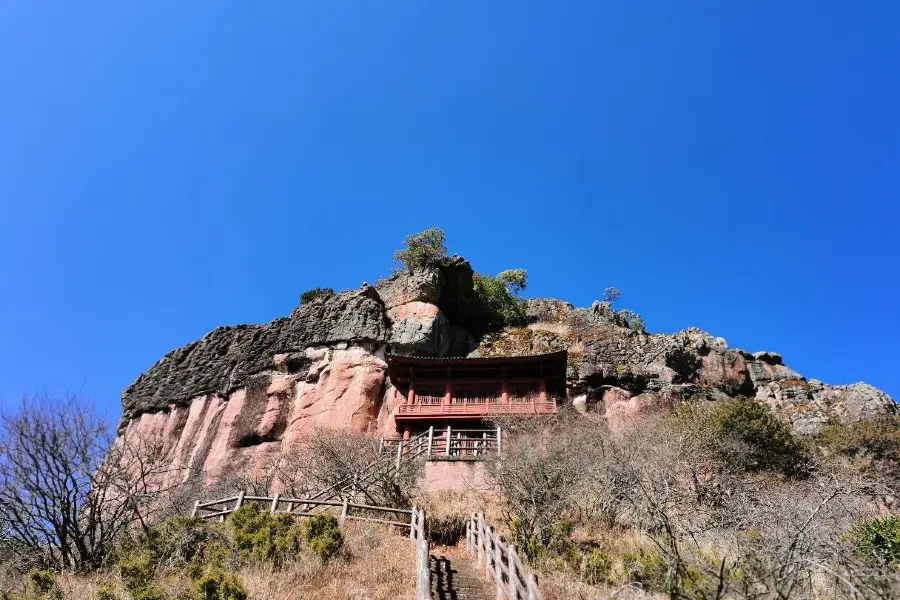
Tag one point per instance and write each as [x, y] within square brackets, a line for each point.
[475, 408]
[446, 441]
[219, 509]
[500, 562]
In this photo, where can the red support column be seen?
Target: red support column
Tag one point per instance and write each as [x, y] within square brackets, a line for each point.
[411, 397]
[504, 388]
[448, 390]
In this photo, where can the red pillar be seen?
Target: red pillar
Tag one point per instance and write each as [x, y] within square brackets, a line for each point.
[411, 395]
[504, 389]
[448, 390]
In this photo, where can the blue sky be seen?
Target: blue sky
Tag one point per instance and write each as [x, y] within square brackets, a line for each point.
[168, 167]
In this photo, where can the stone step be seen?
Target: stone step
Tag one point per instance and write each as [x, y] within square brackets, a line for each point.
[455, 577]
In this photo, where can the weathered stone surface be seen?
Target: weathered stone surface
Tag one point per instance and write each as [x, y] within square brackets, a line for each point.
[809, 405]
[250, 428]
[688, 365]
[547, 310]
[241, 397]
[227, 357]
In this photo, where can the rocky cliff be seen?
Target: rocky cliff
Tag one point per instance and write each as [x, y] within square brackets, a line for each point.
[242, 396]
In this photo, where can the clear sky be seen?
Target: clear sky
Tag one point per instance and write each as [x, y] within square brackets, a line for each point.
[167, 167]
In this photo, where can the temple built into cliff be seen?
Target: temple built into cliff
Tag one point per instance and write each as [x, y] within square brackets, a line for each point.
[454, 398]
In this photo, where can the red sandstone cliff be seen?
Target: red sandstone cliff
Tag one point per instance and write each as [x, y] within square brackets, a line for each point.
[242, 396]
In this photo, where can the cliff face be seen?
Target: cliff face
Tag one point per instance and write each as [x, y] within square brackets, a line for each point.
[617, 372]
[243, 396]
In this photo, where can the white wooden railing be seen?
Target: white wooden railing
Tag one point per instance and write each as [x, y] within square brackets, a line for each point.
[500, 562]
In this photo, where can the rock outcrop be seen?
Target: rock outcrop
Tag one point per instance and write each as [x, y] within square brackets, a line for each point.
[618, 372]
[241, 397]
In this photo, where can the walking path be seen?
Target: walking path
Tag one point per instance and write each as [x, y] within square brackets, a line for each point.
[455, 576]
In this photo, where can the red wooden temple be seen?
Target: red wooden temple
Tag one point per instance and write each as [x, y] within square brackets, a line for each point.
[439, 390]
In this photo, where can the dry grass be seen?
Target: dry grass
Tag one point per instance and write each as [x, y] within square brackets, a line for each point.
[375, 563]
[560, 329]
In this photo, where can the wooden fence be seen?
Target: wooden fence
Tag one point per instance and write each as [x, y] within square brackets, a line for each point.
[219, 509]
[423, 554]
[446, 441]
[500, 561]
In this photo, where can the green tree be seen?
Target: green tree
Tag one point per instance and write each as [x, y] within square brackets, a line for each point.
[611, 295]
[515, 280]
[422, 250]
[501, 308]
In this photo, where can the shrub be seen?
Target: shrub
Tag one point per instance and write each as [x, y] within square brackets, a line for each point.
[751, 435]
[634, 321]
[446, 530]
[746, 436]
[179, 542]
[42, 584]
[316, 294]
[106, 591]
[648, 568]
[322, 536]
[216, 584]
[501, 308]
[879, 539]
[423, 250]
[596, 567]
[878, 438]
[261, 537]
[138, 574]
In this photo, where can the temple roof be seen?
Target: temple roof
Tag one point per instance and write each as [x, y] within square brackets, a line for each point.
[416, 361]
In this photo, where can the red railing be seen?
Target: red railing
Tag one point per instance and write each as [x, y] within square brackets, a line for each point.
[536, 407]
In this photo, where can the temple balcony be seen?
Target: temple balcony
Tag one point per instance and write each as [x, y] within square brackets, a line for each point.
[474, 389]
[474, 406]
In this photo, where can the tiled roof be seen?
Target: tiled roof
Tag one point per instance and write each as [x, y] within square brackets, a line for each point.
[528, 358]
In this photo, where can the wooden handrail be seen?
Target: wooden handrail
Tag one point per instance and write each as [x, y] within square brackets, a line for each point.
[415, 524]
[423, 554]
[210, 510]
[500, 561]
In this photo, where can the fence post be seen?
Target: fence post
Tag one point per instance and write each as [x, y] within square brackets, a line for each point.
[412, 523]
[423, 589]
[399, 455]
[533, 592]
[196, 508]
[274, 508]
[430, 438]
[447, 450]
[480, 542]
[240, 500]
[498, 566]
[380, 445]
[421, 523]
[489, 544]
[344, 508]
[512, 568]
[499, 437]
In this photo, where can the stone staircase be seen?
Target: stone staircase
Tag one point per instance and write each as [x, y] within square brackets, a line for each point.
[454, 576]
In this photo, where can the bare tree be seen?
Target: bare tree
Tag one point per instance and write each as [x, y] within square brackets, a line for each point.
[544, 465]
[67, 489]
[344, 460]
